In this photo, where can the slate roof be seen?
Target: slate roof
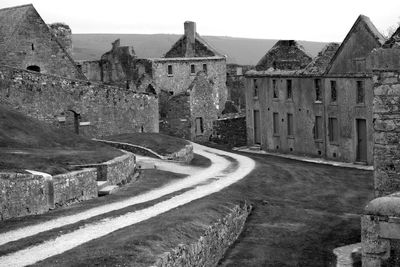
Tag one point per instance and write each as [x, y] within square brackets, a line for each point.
[202, 48]
[285, 55]
[321, 61]
[394, 40]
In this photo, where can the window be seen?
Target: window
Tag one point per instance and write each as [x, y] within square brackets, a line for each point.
[289, 89]
[318, 128]
[33, 47]
[205, 68]
[275, 89]
[275, 118]
[333, 130]
[255, 88]
[333, 91]
[360, 92]
[192, 69]
[199, 126]
[170, 72]
[289, 124]
[317, 85]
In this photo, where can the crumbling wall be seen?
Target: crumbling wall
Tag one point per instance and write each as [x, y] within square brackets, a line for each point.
[178, 119]
[99, 110]
[64, 35]
[230, 131]
[235, 83]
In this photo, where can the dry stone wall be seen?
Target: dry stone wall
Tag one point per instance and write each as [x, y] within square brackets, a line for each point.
[211, 247]
[101, 110]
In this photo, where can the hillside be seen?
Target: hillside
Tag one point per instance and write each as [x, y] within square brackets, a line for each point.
[242, 51]
[26, 143]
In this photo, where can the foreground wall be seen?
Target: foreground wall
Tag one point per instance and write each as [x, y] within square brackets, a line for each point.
[211, 247]
[380, 224]
[93, 109]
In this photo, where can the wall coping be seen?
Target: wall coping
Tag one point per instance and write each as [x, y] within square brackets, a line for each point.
[171, 59]
[384, 206]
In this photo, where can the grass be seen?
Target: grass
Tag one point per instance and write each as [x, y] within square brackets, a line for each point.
[160, 143]
[27, 143]
[301, 212]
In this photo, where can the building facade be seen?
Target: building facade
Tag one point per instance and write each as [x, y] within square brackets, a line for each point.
[320, 107]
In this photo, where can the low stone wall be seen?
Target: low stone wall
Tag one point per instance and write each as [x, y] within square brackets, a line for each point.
[22, 194]
[183, 155]
[74, 186]
[116, 171]
[211, 247]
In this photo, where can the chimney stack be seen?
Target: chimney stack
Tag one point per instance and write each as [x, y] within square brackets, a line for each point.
[190, 34]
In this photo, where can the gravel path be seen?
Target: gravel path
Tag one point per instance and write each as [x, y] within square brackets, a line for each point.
[90, 231]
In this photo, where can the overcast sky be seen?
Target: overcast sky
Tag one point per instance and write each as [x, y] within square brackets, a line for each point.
[312, 20]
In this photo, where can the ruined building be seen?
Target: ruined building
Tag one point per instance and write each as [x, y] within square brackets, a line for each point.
[190, 67]
[27, 42]
[319, 107]
[39, 78]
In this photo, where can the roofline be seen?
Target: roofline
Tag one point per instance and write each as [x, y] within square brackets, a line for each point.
[339, 50]
[166, 59]
[12, 7]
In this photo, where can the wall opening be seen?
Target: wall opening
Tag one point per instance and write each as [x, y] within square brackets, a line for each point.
[199, 126]
[33, 68]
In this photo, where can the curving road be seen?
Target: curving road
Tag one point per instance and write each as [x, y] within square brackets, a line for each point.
[226, 169]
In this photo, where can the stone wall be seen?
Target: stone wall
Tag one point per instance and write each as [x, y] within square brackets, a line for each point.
[96, 109]
[211, 247]
[230, 131]
[73, 186]
[22, 194]
[181, 78]
[386, 114]
[178, 120]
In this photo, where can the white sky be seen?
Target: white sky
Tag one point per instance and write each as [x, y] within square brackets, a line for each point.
[310, 20]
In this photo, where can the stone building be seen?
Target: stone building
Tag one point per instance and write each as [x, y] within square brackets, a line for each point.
[190, 114]
[235, 84]
[115, 67]
[27, 42]
[319, 107]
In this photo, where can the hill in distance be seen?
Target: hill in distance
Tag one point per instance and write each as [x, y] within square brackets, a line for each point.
[243, 51]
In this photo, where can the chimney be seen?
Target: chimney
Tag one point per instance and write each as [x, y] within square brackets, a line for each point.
[190, 34]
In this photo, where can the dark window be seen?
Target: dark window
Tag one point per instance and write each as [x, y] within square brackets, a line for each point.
[199, 126]
[333, 130]
[333, 91]
[33, 68]
[360, 92]
[275, 117]
[170, 72]
[33, 47]
[192, 69]
[205, 68]
[318, 95]
[289, 89]
[290, 124]
[275, 89]
[255, 88]
[318, 128]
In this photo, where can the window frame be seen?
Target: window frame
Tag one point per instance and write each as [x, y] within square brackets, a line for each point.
[318, 90]
[333, 82]
[170, 70]
[318, 129]
[289, 89]
[333, 132]
[360, 84]
[290, 124]
[275, 91]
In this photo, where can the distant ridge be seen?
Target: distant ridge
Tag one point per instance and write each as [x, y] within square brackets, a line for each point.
[242, 51]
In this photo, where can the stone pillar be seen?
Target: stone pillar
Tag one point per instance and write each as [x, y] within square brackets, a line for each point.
[385, 64]
[190, 34]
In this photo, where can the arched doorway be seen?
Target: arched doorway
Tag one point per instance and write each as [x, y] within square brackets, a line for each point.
[33, 68]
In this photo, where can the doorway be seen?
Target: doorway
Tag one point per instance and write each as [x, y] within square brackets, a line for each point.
[361, 140]
[257, 128]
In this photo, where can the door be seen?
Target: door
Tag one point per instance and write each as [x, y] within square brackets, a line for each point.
[257, 128]
[361, 140]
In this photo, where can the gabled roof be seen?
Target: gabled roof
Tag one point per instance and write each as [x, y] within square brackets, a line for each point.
[201, 48]
[321, 61]
[370, 27]
[285, 55]
[394, 40]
